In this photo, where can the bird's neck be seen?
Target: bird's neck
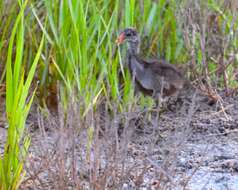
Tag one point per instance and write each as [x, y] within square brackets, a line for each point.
[133, 48]
[136, 66]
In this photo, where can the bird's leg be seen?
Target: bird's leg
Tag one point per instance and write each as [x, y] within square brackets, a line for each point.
[155, 96]
[160, 99]
[161, 92]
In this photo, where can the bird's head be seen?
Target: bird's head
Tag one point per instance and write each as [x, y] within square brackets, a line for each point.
[129, 34]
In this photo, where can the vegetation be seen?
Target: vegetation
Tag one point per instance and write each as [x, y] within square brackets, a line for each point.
[63, 48]
[17, 106]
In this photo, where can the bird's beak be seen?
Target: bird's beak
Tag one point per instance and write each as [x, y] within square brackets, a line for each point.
[120, 39]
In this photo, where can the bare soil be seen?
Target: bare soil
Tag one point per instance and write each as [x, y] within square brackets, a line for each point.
[194, 146]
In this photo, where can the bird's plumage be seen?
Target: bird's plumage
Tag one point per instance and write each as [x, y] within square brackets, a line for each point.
[151, 77]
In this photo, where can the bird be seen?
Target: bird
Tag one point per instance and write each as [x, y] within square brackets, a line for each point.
[156, 78]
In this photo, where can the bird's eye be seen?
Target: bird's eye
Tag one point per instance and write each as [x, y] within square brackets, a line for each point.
[128, 34]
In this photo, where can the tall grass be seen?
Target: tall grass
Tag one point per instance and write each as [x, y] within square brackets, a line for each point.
[80, 49]
[82, 52]
[17, 105]
[7, 16]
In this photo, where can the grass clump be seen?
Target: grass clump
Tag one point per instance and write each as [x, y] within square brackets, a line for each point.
[17, 106]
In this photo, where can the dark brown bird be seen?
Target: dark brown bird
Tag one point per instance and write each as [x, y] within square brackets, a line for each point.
[156, 78]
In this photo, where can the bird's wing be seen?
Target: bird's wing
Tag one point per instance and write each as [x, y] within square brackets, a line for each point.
[169, 73]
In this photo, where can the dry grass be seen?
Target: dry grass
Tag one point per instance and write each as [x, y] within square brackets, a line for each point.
[122, 150]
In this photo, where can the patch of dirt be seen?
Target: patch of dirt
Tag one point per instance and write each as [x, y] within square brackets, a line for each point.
[198, 150]
[193, 147]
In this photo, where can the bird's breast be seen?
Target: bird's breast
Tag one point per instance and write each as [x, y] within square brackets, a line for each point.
[141, 74]
[146, 80]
